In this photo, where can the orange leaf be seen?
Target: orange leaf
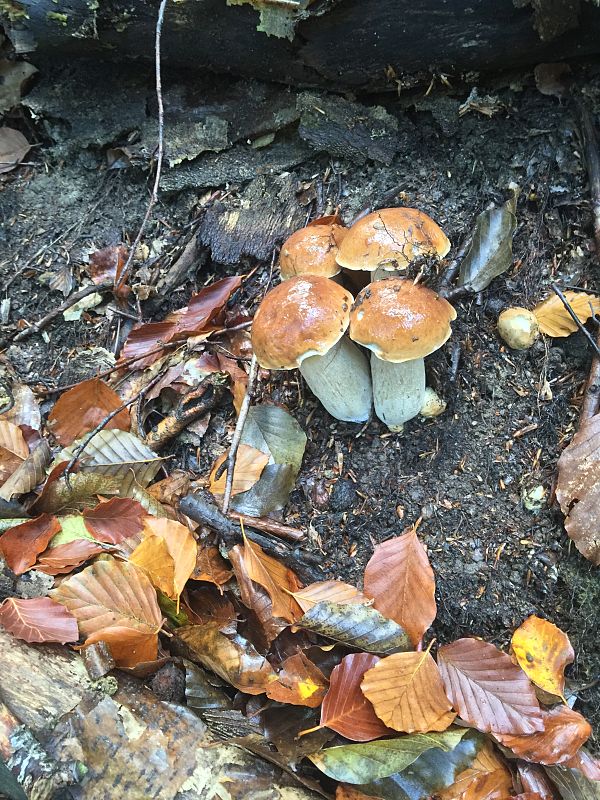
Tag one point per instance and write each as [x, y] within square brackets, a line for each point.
[66, 557]
[249, 464]
[115, 520]
[345, 709]
[83, 407]
[565, 731]
[13, 449]
[211, 566]
[207, 605]
[407, 693]
[181, 545]
[22, 544]
[487, 689]
[554, 319]
[38, 620]
[543, 651]
[586, 764]
[344, 791]
[400, 580]
[299, 682]
[331, 591]
[152, 555]
[534, 780]
[488, 773]
[114, 602]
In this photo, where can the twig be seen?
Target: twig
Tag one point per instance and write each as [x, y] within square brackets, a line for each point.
[70, 301]
[269, 526]
[160, 150]
[453, 267]
[576, 319]
[237, 434]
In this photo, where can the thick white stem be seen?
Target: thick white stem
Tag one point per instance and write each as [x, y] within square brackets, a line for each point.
[398, 390]
[341, 380]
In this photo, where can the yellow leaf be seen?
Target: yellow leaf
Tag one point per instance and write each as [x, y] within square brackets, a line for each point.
[543, 651]
[181, 546]
[249, 464]
[152, 555]
[554, 319]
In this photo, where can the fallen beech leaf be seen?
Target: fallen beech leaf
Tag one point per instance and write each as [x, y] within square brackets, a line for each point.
[578, 488]
[28, 474]
[487, 689]
[356, 626]
[299, 682]
[554, 319]
[231, 657]
[487, 773]
[145, 339]
[114, 602]
[332, 591]
[172, 488]
[180, 544]
[13, 449]
[211, 566]
[400, 580]
[407, 693]
[572, 784]
[153, 557]
[25, 409]
[81, 491]
[527, 796]
[61, 558]
[346, 792]
[565, 731]
[279, 581]
[345, 709]
[13, 148]
[204, 309]
[362, 763]
[543, 651]
[586, 764]
[38, 620]
[22, 544]
[80, 409]
[533, 779]
[207, 605]
[115, 520]
[106, 264]
[249, 464]
[256, 598]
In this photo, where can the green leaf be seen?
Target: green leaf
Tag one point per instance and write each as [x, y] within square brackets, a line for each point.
[363, 763]
[72, 527]
[490, 252]
[273, 430]
[433, 771]
[357, 626]
[269, 493]
[572, 785]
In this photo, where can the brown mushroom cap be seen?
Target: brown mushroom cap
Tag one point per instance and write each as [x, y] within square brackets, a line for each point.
[312, 251]
[399, 321]
[302, 317]
[391, 238]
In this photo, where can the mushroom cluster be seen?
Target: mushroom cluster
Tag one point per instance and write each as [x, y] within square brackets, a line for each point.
[302, 323]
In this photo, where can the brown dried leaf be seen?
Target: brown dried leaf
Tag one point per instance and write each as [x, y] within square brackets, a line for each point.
[13, 149]
[487, 773]
[487, 689]
[332, 591]
[66, 557]
[172, 488]
[231, 657]
[114, 602]
[249, 464]
[345, 791]
[31, 472]
[299, 682]
[578, 488]
[586, 764]
[115, 520]
[407, 693]
[258, 600]
[211, 566]
[153, 557]
[204, 310]
[565, 731]
[82, 408]
[400, 580]
[13, 449]
[345, 708]
[107, 264]
[145, 339]
[22, 544]
[207, 605]
[554, 319]
[25, 409]
[535, 781]
[81, 491]
[543, 651]
[38, 620]
[181, 545]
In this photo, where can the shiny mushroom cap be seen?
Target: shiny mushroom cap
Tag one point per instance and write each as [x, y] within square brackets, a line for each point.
[400, 321]
[312, 251]
[302, 317]
[390, 239]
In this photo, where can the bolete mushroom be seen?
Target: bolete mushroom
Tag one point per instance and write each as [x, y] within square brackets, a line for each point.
[518, 327]
[301, 323]
[401, 323]
[312, 251]
[388, 240]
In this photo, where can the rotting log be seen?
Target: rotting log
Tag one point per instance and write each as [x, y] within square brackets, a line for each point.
[91, 740]
[360, 44]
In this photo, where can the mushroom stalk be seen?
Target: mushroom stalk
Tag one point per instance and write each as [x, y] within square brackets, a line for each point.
[341, 380]
[398, 390]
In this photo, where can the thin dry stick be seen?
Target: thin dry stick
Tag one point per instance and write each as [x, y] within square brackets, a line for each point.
[70, 301]
[576, 319]
[160, 150]
[237, 434]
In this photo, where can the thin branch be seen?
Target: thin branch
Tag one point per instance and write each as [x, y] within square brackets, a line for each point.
[56, 312]
[119, 283]
[269, 526]
[576, 319]
[453, 267]
[239, 429]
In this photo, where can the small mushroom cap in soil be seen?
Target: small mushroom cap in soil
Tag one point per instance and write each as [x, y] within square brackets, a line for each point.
[518, 327]
[312, 251]
[302, 317]
[400, 321]
[390, 239]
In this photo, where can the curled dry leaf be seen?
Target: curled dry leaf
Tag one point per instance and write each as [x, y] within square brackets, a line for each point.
[400, 580]
[106, 265]
[114, 602]
[578, 488]
[487, 689]
[565, 731]
[22, 544]
[258, 600]
[181, 546]
[83, 407]
[114, 520]
[345, 709]
[207, 605]
[533, 779]
[13, 148]
[204, 310]
[141, 344]
[487, 776]
[62, 558]
[249, 464]
[13, 449]
[299, 682]
[407, 693]
[554, 319]
[38, 620]
[543, 651]
[153, 557]
[211, 566]
[25, 409]
[29, 474]
[330, 591]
